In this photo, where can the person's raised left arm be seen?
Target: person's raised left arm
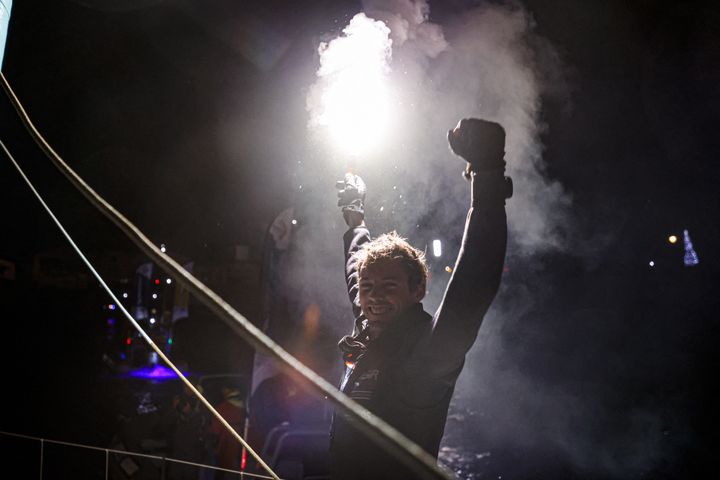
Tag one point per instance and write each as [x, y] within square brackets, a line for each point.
[476, 277]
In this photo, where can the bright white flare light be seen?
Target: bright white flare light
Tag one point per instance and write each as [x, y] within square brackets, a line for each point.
[351, 97]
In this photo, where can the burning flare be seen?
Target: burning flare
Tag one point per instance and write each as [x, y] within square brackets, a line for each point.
[351, 98]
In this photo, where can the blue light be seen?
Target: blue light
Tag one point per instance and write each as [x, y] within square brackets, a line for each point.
[111, 306]
[691, 257]
[157, 372]
[111, 321]
[5, 7]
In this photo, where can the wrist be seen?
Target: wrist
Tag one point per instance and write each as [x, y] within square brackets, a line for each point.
[354, 219]
[490, 186]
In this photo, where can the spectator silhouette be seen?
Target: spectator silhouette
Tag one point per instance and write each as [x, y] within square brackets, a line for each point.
[185, 432]
[227, 449]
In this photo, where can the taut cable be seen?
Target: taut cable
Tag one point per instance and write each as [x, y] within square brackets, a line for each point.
[137, 326]
[374, 427]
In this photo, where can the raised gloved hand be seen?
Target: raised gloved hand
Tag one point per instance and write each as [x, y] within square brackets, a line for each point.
[480, 143]
[351, 198]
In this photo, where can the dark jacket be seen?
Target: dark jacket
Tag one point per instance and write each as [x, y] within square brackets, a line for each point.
[407, 376]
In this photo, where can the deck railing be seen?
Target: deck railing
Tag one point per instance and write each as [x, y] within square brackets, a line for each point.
[162, 460]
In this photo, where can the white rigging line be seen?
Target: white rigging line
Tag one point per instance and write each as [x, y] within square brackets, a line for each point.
[374, 427]
[137, 326]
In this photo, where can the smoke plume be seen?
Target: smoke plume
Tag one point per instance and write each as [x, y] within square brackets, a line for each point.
[482, 63]
[489, 62]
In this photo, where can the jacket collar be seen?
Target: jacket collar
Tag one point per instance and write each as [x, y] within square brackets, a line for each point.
[407, 324]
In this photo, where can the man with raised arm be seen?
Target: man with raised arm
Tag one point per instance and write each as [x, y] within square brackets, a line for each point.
[402, 363]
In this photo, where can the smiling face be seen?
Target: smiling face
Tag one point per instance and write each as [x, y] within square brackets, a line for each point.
[386, 292]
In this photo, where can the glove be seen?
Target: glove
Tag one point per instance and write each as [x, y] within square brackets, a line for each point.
[480, 143]
[351, 194]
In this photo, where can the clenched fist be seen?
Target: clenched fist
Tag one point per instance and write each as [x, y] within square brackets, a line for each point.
[480, 143]
[351, 199]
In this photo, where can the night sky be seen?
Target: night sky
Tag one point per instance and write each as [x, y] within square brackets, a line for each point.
[189, 117]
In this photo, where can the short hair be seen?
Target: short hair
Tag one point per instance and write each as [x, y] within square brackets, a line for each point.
[392, 246]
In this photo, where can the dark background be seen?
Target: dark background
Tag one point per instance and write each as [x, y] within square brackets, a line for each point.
[138, 101]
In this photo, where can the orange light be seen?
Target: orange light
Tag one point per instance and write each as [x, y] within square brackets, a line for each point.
[672, 239]
[311, 320]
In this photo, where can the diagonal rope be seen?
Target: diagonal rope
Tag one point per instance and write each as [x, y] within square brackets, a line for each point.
[134, 323]
[374, 427]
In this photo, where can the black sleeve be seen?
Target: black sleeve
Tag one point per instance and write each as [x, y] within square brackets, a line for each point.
[476, 277]
[353, 240]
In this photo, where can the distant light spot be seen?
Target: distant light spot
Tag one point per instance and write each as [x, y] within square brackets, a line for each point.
[437, 248]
